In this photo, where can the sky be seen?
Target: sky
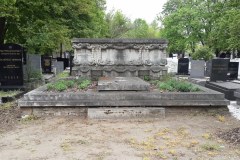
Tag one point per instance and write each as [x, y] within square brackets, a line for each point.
[145, 9]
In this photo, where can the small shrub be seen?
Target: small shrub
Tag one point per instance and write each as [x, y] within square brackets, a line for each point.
[146, 78]
[60, 87]
[84, 84]
[211, 147]
[63, 75]
[177, 85]
[70, 83]
[35, 75]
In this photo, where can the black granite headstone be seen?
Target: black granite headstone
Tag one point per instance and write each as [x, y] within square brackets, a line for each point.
[219, 69]
[11, 65]
[233, 70]
[46, 64]
[183, 64]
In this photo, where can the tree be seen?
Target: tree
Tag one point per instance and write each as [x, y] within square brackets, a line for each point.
[42, 25]
[118, 24]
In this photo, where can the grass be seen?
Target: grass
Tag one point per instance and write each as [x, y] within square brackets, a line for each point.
[210, 147]
[6, 106]
[62, 85]
[9, 93]
[63, 75]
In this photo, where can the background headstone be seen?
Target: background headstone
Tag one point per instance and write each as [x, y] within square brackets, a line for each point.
[183, 66]
[59, 66]
[46, 64]
[65, 62]
[219, 69]
[11, 65]
[197, 69]
[172, 65]
[208, 68]
[233, 70]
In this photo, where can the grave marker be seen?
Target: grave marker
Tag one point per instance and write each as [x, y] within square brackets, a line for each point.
[11, 65]
[183, 64]
[219, 69]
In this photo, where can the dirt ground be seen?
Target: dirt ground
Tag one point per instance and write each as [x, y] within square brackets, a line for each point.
[178, 137]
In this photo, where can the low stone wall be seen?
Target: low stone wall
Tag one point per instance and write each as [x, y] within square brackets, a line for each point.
[119, 57]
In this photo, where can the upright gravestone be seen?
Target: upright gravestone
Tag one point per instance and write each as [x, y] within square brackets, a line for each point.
[233, 70]
[46, 64]
[183, 65]
[11, 65]
[65, 61]
[219, 69]
[59, 65]
[197, 69]
[208, 68]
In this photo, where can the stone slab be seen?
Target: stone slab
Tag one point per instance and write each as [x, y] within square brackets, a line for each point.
[39, 98]
[122, 84]
[219, 69]
[227, 88]
[123, 113]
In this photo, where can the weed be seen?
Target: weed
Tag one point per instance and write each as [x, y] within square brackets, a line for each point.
[84, 84]
[63, 75]
[6, 106]
[28, 118]
[9, 93]
[210, 147]
[221, 118]
[146, 78]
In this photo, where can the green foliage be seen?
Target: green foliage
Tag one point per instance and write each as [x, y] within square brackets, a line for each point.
[203, 52]
[177, 86]
[146, 78]
[84, 84]
[9, 93]
[209, 23]
[42, 25]
[63, 75]
[62, 85]
[37, 75]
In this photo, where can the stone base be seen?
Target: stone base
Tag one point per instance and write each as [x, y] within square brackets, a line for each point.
[227, 88]
[130, 112]
[54, 111]
[122, 84]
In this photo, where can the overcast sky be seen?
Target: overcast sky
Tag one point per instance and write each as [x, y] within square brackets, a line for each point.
[145, 9]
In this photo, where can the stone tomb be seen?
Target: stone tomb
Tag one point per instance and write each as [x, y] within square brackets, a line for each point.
[119, 57]
[197, 69]
[228, 88]
[183, 66]
[122, 84]
[219, 69]
[11, 65]
[233, 70]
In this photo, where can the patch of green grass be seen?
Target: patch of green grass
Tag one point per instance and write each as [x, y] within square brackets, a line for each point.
[35, 75]
[9, 93]
[63, 75]
[6, 106]
[146, 78]
[84, 84]
[62, 85]
[210, 147]
[173, 85]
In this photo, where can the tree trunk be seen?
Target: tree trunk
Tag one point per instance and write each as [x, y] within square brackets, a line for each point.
[2, 29]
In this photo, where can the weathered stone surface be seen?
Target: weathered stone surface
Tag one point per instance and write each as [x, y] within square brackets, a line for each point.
[119, 57]
[130, 112]
[227, 88]
[197, 69]
[40, 98]
[122, 84]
